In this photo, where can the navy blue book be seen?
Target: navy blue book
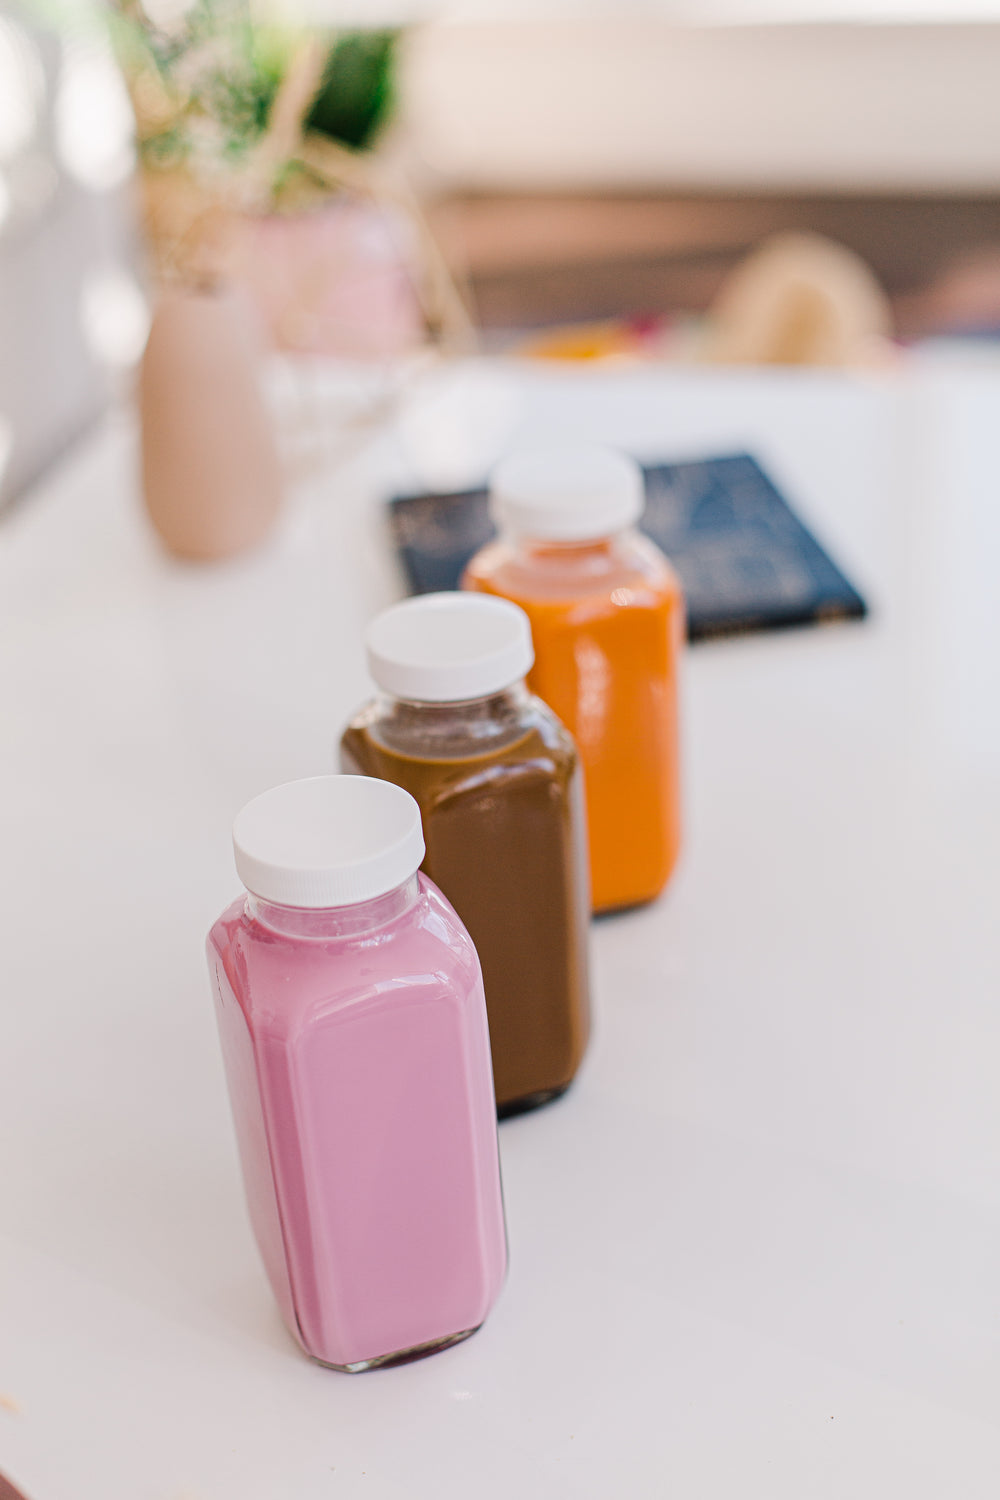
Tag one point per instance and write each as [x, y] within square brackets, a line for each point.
[746, 560]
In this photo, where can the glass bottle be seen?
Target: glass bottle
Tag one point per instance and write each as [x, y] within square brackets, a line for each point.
[353, 1026]
[498, 782]
[607, 618]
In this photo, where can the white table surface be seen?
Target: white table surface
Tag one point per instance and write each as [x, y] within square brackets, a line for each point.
[755, 1251]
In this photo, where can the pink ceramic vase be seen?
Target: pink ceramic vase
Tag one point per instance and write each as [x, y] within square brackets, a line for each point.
[337, 280]
[210, 473]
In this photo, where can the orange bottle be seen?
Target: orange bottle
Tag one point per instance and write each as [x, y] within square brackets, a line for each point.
[607, 617]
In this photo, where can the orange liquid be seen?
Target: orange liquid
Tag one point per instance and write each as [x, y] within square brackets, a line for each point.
[607, 620]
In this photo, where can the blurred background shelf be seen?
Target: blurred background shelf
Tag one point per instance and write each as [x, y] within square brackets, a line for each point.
[531, 259]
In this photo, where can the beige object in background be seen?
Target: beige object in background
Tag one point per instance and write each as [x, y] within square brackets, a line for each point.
[799, 299]
[210, 471]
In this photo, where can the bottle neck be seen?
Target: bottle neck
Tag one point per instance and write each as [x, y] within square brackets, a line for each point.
[471, 708]
[588, 554]
[334, 921]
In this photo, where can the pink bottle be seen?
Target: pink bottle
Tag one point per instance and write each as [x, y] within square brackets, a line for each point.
[353, 1024]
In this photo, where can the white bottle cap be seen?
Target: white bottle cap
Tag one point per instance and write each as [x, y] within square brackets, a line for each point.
[448, 648]
[328, 841]
[571, 492]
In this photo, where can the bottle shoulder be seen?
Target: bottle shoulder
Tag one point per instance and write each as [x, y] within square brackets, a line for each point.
[415, 744]
[282, 981]
[628, 565]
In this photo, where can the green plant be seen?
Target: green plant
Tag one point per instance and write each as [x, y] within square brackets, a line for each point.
[204, 87]
[355, 97]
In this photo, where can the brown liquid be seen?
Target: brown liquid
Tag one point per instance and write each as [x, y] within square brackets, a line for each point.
[503, 825]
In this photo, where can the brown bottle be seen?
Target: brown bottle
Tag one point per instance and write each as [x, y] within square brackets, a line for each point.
[498, 783]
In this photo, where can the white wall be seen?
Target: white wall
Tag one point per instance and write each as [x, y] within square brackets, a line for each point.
[639, 102]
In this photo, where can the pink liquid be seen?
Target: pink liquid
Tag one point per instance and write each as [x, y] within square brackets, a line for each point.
[358, 1062]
